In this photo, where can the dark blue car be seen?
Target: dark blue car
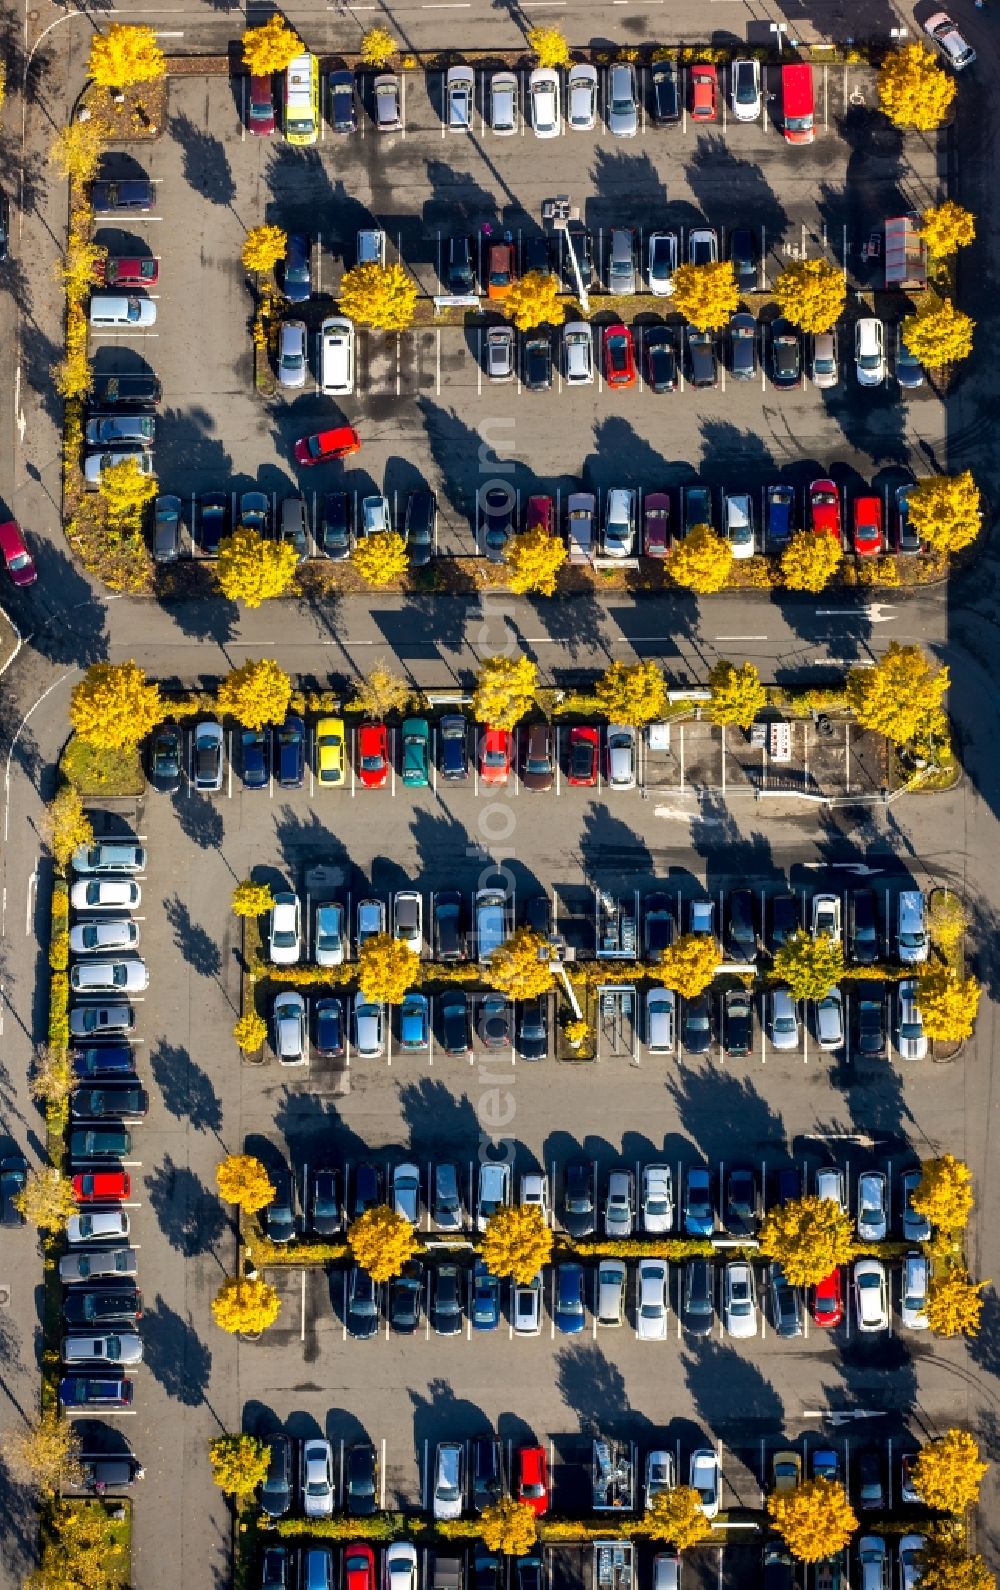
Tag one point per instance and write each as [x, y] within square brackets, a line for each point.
[569, 1312]
[485, 1306]
[115, 1061]
[290, 752]
[256, 758]
[780, 515]
[298, 272]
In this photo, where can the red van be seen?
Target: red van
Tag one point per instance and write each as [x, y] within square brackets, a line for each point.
[18, 560]
[798, 103]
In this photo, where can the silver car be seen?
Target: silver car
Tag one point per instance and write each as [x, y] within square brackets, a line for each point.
[581, 98]
[619, 1206]
[292, 355]
[329, 943]
[825, 367]
[98, 1264]
[114, 976]
[387, 113]
[913, 1302]
[623, 104]
[503, 104]
[911, 1040]
[109, 856]
[782, 1019]
[739, 1299]
[872, 1216]
[207, 757]
[494, 1191]
[621, 756]
[651, 1300]
[500, 353]
[290, 1029]
[621, 261]
[97, 1225]
[406, 1192]
[460, 97]
[107, 934]
[367, 1026]
[114, 1348]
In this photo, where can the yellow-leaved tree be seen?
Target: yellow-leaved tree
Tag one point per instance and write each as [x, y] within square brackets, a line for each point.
[944, 1565]
[377, 48]
[809, 1237]
[949, 1471]
[256, 694]
[387, 969]
[383, 297]
[676, 1518]
[252, 569]
[382, 1242]
[380, 694]
[701, 561]
[517, 1242]
[954, 1301]
[46, 1199]
[737, 693]
[66, 826]
[810, 966]
[938, 333]
[913, 91]
[949, 1003]
[689, 963]
[52, 1077]
[811, 293]
[126, 491]
[380, 559]
[815, 1520]
[114, 707]
[549, 46]
[505, 690]
[252, 899]
[239, 1464]
[520, 967]
[269, 48]
[534, 559]
[706, 295]
[80, 267]
[76, 150]
[243, 1180]
[633, 693]
[249, 1030]
[946, 510]
[534, 300]
[245, 1307]
[947, 227]
[124, 55]
[899, 694]
[509, 1527]
[44, 1453]
[944, 1195]
[263, 248]
[809, 561]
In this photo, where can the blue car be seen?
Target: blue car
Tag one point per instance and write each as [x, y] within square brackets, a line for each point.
[414, 1022]
[570, 1312]
[298, 273]
[290, 752]
[256, 759]
[115, 1062]
[485, 1309]
[699, 1210]
[780, 515]
[826, 1464]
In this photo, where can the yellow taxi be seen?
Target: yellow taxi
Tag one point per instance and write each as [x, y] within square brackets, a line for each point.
[331, 753]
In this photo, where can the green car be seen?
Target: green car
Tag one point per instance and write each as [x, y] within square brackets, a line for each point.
[416, 752]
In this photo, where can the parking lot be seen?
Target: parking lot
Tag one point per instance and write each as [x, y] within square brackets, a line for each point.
[423, 406]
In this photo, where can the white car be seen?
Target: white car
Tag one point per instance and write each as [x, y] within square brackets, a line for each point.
[913, 1302]
[826, 917]
[375, 518]
[97, 1225]
[739, 1299]
[869, 351]
[460, 97]
[328, 942]
[317, 1478]
[494, 1191]
[286, 929]
[910, 1567]
[408, 919]
[738, 524]
[543, 93]
[956, 51]
[449, 1479]
[705, 1477]
[406, 1192]
[657, 1199]
[703, 246]
[619, 523]
[744, 76]
[872, 1214]
[105, 894]
[619, 1207]
[503, 104]
[830, 1184]
[108, 934]
[661, 1476]
[581, 98]
[290, 1029]
[399, 1566]
[578, 353]
[621, 743]
[535, 1192]
[651, 1301]
[871, 1295]
[911, 1040]
[109, 977]
[117, 1347]
[661, 263]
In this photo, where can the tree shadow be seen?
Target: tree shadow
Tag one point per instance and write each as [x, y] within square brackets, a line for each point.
[187, 1091]
[314, 1131]
[196, 945]
[190, 1214]
[630, 182]
[199, 818]
[305, 840]
[206, 164]
[716, 1107]
[730, 1393]
[610, 851]
[75, 625]
[725, 185]
[175, 1354]
[437, 1116]
[187, 453]
[594, 1389]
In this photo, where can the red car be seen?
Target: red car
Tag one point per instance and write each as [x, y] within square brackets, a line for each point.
[704, 92]
[494, 756]
[619, 356]
[341, 442]
[533, 1478]
[102, 1186]
[260, 107]
[128, 270]
[18, 560]
[824, 509]
[656, 524]
[540, 514]
[828, 1301]
[373, 755]
[359, 1567]
[868, 527]
[584, 755]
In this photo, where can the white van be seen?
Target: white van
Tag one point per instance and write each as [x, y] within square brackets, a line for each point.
[336, 356]
[121, 309]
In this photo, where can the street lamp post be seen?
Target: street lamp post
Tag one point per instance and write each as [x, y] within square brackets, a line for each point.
[780, 28]
[560, 212]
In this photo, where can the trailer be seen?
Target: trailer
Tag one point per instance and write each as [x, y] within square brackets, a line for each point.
[905, 254]
[614, 1565]
[612, 1476]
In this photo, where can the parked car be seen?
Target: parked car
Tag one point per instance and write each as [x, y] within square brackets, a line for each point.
[953, 46]
[533, 1479]
[543, 99]
[666, 95]
[569, 1310]
[869, 351]
[872, 1206]
[745, 81]
[782, 1019]
[317, 1478]
[698, 1297]
[705, 1477]
[824, 365]
[739, 1299]
[786, 355]
[911, 1039]
[786, 1302]
[699, 1207]
[704, 86]
[622, 100]
[581, 98]
[661, 359]
[364, 1305]
[619, 356]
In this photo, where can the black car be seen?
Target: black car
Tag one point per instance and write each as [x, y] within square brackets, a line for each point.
[166, 757]
[367, 1189]
[784, 920]
[4, 226]
[737, 1023]
[109, 1102]
[364, 1305]
[290, 752]
[536, 255]
[579, 1216]
[97, 1306]
[741, 929]
[276, 1491]
[275, 1569]
[696, 1025]
[786, 354]
[583, 250]
[531, 1036]
[297, 268]
[659, 925]
[446, 1299]
[138, 391]
[538, 362]
[486, 1466]
[666, 93]
[661, 359]
[449, 930]
[744, 255]
[743, 346]
[496, 506]
[528, 1573]
[99, 1142]
[329, 1019]
[862, 927]
[361, 1480]
[870, 1014]
[742, 1202]
[213, 521]
[419, 527]
[13, 1175]
[406, 1293]
[460, 266]
[112, 1471]
[779, 1569]
[455, 1022]
[107, 198]
[538, 915]
[341, 108]
[702, 368]
[335, 526]
[279, 1214]
[786, 1302]
[487, 1570]
[870, 1489]
[698, 508]
[324, 1211]
[255, 757]
[698, 1297]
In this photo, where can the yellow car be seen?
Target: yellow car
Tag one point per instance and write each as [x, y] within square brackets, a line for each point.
[786, 1469]
[331, 757]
